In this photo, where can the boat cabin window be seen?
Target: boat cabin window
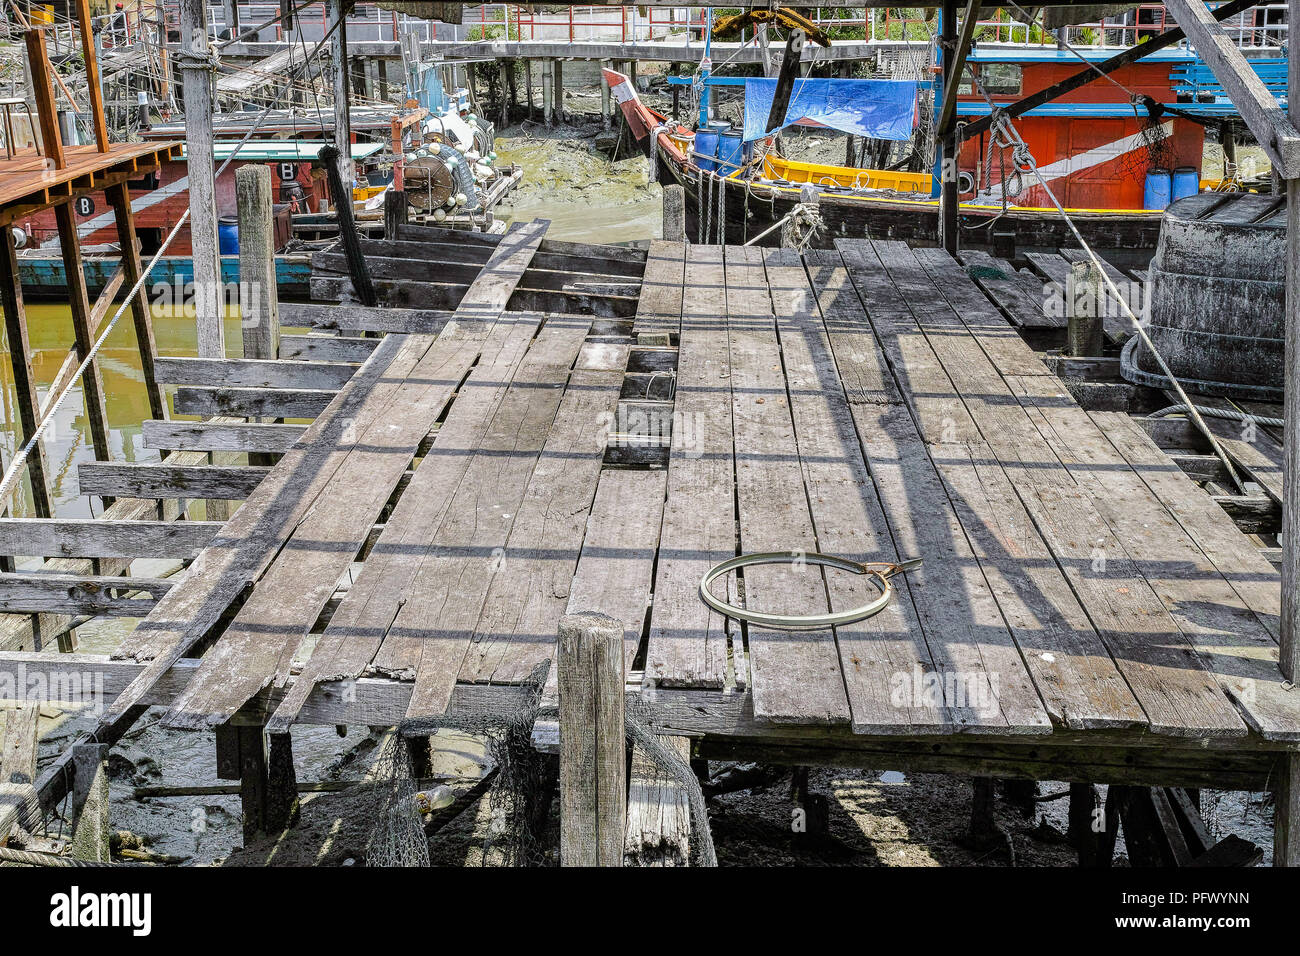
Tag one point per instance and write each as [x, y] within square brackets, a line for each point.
[1000, 79]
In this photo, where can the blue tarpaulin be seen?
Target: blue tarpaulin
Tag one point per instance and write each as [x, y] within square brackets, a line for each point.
[880, 109]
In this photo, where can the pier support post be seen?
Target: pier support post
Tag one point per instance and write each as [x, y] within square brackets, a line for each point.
[202, 174]
[674, 213]
[258, 302]
[20, 354]
[1085, 300]
[503, 86]
[948, 198]
[231, 10]
[604, 95]
[557, 90]
[528, 86]
[1286, 824]
[268, 786]
[132, 268]
[89, 803]
[342, 116]
[396, 213]
[593, 751]
[548, 92]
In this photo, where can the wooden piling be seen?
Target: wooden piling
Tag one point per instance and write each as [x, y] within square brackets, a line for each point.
[1085, 326]
[202, 177]
[141, 316]
[593, 752]
[258, 306]
[548, 92]
[674, 229]
[20, 355]
[396, 213]
[604, 95]
[89, 803]
[336, 12]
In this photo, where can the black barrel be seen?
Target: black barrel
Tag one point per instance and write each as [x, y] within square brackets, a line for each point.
[1217, 296]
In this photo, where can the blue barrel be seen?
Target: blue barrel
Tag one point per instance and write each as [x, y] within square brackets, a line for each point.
[731, 150]
[706, 145]
[719, 125]
[1159, 185]
[228, 236]
[1187, 182]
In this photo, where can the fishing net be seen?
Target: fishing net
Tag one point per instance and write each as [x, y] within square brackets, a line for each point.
[1154, 149]
[520, 793]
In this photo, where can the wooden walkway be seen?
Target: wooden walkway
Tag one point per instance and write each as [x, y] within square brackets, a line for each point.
[1084, 610]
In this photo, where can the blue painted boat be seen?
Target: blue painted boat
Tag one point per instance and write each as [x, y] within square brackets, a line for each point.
[43, 277]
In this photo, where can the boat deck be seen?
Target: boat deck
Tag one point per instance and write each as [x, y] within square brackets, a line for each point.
[1084, 610]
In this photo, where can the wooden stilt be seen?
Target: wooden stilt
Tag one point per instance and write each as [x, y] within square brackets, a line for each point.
[11, 299]
[89, 803]
[79, 300]
[119, 199]
[593, 752]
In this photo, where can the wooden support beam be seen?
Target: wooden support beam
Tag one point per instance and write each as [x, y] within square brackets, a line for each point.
[593, 751]
[142, 317]
[954, 63]
[948, 195]
[658, 810]
[252, 402]
[253, 373]
[20, 356]
[105, 538]
[1259, 108]
[19, 736]
[255, 437]
[78, 594]
[336, 12]
[43, 91]
[92, 382]
[88, 803]
[132, 480]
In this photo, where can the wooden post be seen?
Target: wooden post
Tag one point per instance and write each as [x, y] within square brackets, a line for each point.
[528, 86]
[604, 95]
[1084, 303]
[1286, 813]
[89, 803]
[948, 198]
[92, 76]
[1083, 805]
[43, 92]
[20, 355]
[674, 213]
[593, 751]
[548, 92]
[503, 84]
[79, 299]
[202, 174]
[342, 115]
[231, 10]
[119, 198]
[258, 307]
[557, 91]
[267, 783]
[396, 212]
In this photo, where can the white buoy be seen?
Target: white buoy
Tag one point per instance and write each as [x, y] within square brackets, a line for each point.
[439, 214]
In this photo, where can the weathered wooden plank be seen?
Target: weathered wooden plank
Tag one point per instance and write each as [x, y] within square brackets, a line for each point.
[796, 674]
[1218, 624]
[920, 377]
[105, 538]
[260, 527]
[660, 306]
[526, 597]
[19, 745]
[863, 371]
[252, 373]
[394, 261]
[78, 594]
[1008, 352]
[1165, 673]
[688, 644]
[658, 810]
[460, 239]
[845, 511]
[252, 402]
[411, 294]
[326, 348]
[160, 480]
[616, 569]
[1023, 298]
[357, 318]
[268, 438]
[258, 647]
[451, 586]
[358, 628]
[1058, 270]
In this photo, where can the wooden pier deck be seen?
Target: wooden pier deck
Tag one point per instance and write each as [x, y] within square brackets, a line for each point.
[1084, 610]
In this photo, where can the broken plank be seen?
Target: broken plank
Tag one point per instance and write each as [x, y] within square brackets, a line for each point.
[78, 594]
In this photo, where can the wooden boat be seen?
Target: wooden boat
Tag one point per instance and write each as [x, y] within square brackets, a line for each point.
[1096, 148]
